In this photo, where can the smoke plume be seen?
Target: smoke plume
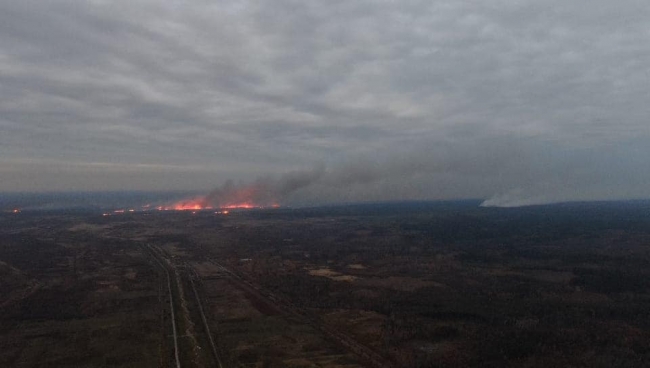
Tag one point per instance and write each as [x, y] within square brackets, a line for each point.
[264, 191]
[506, 172]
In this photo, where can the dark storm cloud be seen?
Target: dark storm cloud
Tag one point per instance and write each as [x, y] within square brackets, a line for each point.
[516, 101]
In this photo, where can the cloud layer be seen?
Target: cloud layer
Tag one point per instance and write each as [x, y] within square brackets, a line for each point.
[517, 101]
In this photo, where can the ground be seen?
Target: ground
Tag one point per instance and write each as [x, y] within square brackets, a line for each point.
[437, 285]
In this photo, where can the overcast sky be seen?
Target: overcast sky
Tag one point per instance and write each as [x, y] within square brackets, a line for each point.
[517, 102]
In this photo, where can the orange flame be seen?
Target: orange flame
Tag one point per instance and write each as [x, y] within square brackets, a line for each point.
[244, 205]
[228, 196]
[199, 204]
[185, 205]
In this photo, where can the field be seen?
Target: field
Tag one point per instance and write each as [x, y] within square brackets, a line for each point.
[416, 284]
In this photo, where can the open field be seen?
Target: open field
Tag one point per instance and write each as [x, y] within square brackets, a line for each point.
[392, 285]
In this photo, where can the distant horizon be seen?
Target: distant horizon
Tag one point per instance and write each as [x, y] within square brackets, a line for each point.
[137, 199]
[518, 103]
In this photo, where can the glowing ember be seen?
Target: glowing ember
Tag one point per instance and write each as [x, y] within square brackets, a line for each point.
[194, 205]
[230, 197]
[198, 204]
[191, 204]
[240, 205]
[264, 192]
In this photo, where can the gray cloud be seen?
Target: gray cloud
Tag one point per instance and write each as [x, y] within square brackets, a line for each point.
[517, 101]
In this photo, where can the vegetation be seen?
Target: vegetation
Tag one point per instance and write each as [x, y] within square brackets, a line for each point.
[446, 284]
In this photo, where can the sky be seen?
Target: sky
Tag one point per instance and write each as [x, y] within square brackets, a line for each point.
[513, 101]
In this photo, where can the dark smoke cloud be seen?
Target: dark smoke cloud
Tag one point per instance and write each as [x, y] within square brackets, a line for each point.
[264, 191]
[504, 172]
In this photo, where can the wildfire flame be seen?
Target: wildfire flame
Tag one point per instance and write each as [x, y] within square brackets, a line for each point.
[265, 192]
[198, 204]
[227, 197]
[187, 204]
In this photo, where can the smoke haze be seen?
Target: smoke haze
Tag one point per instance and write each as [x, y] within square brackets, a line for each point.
[505, 172]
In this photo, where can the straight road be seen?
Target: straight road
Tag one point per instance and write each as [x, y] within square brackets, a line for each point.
[157, 258]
